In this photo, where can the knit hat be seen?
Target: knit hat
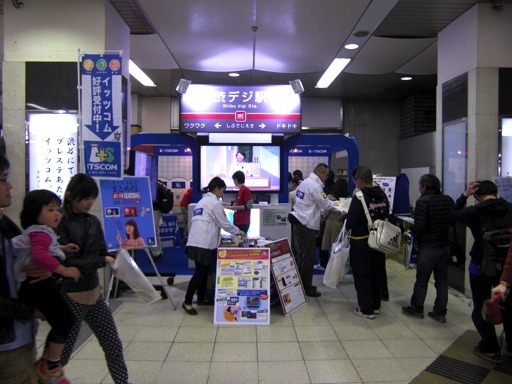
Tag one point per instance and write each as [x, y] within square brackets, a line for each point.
[486, 187]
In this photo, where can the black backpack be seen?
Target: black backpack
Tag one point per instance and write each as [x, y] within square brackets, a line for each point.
[496, 239]
[165, 199]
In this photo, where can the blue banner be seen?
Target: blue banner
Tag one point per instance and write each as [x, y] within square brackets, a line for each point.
[101, 110]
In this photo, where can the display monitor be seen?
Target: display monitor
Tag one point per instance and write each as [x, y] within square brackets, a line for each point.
[260, 163]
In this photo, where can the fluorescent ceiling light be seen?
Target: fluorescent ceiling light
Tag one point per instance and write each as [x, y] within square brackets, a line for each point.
[332, 72]
[141, 76]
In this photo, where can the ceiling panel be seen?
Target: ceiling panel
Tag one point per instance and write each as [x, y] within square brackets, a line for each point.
[295, 39]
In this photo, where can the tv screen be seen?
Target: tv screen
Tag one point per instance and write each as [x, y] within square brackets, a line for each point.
[147, 165]
[260, 163]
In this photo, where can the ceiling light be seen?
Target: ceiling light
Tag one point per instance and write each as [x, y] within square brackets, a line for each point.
[332, 72]
[234, 74]
[406, 78]
[297, 86]
[352, 46]
[136, 72]
[183, 86]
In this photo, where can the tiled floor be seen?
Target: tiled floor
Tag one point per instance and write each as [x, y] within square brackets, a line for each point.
[322, 342]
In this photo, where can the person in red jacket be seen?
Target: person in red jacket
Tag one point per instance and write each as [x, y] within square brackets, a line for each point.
[243, 203]
[184, 203]
[503, 288]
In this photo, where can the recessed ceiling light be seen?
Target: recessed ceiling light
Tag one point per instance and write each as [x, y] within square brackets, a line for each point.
[406, 78]
[234, 74]
[352, 46]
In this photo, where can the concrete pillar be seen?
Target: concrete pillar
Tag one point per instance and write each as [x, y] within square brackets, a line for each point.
[49, 31]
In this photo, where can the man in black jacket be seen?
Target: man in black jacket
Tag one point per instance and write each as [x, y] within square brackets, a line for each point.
[17, 321]
[431, 230]
[485, 193]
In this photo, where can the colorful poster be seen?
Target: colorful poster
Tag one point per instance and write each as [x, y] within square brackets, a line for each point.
[242, 293]
[286, 276]
[387, 183]
[101, 110]
[127, 213]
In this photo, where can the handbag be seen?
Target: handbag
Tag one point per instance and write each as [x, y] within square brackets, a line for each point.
[383, 236]
[339, 262]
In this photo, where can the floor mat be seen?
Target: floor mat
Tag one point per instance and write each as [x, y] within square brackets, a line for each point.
[458, 364]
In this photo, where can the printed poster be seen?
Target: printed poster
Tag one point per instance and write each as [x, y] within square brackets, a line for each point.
[242, 293]
[504, 185]
[101, 109]
[286, 276]
[127, 212]
[387, 183]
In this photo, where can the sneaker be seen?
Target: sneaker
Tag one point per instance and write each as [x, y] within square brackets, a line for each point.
[494, 357]
[358, 312]
[318, 266]
[436, 317]
[410, 312]
[54, 376]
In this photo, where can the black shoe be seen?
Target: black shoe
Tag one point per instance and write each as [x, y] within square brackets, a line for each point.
[436, 317]
[158, 256]
[192, 311]
[494, 357]
[410, 312]
[312, 292]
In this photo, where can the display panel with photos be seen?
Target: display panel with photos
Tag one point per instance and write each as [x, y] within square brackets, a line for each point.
[260, 163]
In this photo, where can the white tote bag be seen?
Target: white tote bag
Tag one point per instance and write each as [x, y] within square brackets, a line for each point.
[130, 273]
[339, 262]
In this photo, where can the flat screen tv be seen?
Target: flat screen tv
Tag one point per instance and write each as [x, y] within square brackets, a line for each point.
[260, 163]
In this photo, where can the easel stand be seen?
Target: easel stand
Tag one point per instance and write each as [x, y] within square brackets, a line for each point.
[162, 285]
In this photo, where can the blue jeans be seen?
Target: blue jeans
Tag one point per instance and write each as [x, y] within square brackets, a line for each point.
[431, 259]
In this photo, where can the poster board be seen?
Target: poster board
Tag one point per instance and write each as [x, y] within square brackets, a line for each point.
[286, 276]
[387, 183]
[242, 286]
[504, 185]
[127, 203]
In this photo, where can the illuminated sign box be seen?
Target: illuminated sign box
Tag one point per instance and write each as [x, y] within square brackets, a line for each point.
[240, 109]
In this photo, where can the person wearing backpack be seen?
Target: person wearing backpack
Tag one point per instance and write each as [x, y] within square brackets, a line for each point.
[162, 205]
[489, 205]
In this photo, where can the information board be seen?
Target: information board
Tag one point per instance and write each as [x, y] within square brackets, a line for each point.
[286, 276]
[127, 212]
[242, 293]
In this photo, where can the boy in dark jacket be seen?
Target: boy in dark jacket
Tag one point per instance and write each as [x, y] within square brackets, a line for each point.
[488, 203]
[431, 229]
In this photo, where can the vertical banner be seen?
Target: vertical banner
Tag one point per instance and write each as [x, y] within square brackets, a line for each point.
[101, 111]
[242, 289]
[127, 212]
